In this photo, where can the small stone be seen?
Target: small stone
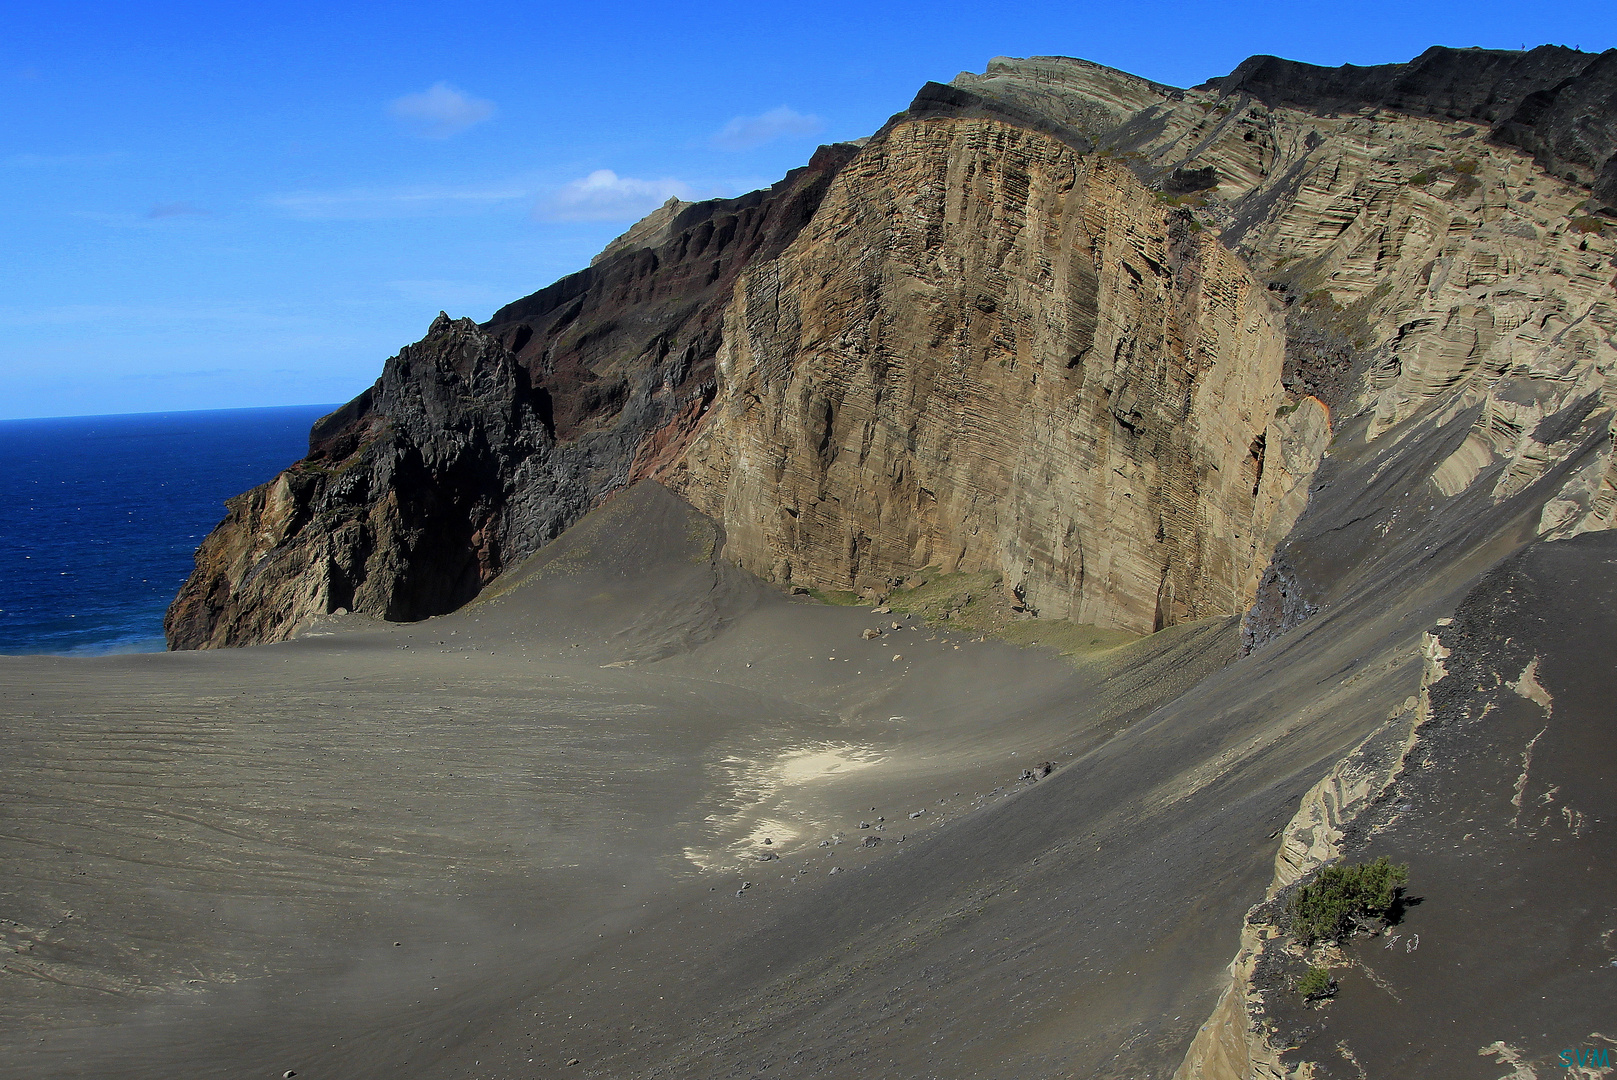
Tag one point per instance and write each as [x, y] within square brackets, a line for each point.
[872, 841]
[883, 610]
[769, 840]
[898, 626]
[836, 869]
[870, 633]
[917, 813]
[572, 1061]
[898, 656]
[289, 1072]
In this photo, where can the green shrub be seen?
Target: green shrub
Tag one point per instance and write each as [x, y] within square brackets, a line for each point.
[1316, 984]
[1587, 224]
[1342, 897]
[1463, 165]
[1421, 179]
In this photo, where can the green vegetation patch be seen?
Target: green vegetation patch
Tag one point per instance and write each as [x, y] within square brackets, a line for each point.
[966, 601]
[839, 597]
[1587, 224]
[1317, 984]
[1342, 898]
[977, 603]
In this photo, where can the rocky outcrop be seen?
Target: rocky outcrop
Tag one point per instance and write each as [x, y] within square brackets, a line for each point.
[1237, 1042]
[1558, 104]
[480, 444]
[991, 352]
[1429, 276]
[651, 231]
[1082, 330]
[403, 507]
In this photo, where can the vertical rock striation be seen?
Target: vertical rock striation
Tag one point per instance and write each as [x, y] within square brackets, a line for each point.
[1082, 330]
[991, 352]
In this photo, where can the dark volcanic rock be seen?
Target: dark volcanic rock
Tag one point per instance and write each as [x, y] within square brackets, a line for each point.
[1503, 817]
[479, 445]
[1558, 104]
[402, 508]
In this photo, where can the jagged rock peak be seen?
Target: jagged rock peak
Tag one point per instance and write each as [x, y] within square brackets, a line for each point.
[1558, 104]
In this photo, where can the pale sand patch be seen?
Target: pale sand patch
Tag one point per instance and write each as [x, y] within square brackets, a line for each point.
[779, 799]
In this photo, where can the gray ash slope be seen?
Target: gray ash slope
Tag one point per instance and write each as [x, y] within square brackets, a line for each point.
[1506, 954]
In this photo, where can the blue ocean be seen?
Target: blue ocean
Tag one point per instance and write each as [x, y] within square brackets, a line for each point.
[100, 516]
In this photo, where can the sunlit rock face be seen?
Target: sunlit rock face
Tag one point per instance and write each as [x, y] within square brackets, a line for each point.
[481, 444]
[992, 352]
[1054, 322]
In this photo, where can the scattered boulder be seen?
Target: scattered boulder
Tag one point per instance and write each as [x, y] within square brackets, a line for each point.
[871, 633]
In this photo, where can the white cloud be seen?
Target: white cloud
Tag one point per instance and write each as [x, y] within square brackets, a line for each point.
[746, 132]
[371, 203]
[439, 111]
[603, 195]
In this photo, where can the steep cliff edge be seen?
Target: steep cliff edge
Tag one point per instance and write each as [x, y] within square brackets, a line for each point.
[1553, 102]
[1084, 331]
[480, 444]
[991, 352]
[1432, 278]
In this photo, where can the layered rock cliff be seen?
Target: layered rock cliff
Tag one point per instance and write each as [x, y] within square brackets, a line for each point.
[1085, 331]
[991, 352]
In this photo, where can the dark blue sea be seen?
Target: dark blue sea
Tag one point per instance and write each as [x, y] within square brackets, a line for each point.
[100, 516]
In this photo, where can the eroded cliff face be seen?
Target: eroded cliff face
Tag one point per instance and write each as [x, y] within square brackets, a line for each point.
[480, 444]
[1433, 274]
[1082, 330]
[991, 352]
[400, 508]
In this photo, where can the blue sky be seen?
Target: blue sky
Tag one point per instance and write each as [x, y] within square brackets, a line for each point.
[212, 206]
